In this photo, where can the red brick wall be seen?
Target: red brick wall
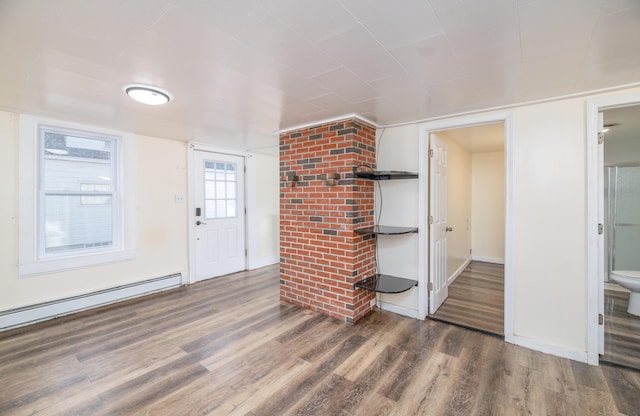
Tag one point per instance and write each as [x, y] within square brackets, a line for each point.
[320, 255]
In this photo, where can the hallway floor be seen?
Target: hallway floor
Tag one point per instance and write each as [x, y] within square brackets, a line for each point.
[476, 299]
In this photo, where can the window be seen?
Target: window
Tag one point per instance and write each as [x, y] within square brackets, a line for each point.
[220, 184]
[73, 203]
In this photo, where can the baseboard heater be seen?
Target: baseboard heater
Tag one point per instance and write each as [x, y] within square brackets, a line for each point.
[26, 315]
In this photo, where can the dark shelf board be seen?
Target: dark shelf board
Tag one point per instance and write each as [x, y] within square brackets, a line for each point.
[385, 175]
[384, 283]
[386, 230]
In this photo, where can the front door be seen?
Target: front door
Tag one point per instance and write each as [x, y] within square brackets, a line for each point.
[437, 223]
[220, 214]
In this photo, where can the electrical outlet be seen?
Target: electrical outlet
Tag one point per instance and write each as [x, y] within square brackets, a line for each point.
[179, 199]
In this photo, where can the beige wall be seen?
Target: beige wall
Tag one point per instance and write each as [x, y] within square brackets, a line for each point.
[268, 204]
[549, 270]
[398, 255]
[488, 206]
[458, 206]
[161, 225]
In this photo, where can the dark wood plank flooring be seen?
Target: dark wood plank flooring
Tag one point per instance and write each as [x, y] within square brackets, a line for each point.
[228, 346]
[621, 331]
[476, 298]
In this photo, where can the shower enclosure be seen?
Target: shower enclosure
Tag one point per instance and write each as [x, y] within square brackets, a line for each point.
[622, 211]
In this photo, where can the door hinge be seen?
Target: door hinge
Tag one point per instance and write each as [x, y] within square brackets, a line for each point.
[430, 219]
[245, 252]
[600, 229]
[600, 137]
[429, 286]
[600, 319]
[430, 152]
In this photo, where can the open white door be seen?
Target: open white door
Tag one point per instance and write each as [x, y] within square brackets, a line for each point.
[437, 223]
[220, 214]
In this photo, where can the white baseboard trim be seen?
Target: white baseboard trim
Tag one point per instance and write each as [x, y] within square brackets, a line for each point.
[488, 259]
[549, 348]
[264, 261]
[400, 310]
[14, 318]
[459, 270]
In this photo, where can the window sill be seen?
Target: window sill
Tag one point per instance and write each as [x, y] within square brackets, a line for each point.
[76, 262]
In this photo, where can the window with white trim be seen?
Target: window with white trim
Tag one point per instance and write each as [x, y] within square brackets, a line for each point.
[220, 184]
[73, 201]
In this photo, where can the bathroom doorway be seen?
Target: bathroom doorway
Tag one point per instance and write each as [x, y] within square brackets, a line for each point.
[476, 228]
[621, 233]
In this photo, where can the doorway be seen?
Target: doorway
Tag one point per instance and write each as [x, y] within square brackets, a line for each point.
[475, 224]
[597, 258]
[506, 121]
[218, 237]
[621, 131]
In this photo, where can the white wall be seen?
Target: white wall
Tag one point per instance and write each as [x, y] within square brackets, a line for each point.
[622, 152]
[488, 206]
[458, 206]
[264, 248]
[398, 255]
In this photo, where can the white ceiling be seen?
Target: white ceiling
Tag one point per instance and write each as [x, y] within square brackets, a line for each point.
[478, 139]
[239, 70]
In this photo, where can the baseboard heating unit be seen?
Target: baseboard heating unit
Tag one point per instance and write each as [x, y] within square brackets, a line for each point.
[14, 318]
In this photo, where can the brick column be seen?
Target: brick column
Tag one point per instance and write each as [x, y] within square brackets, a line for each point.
[321, 203]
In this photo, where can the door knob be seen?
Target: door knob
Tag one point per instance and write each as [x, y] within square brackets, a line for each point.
[200, 223]
[449, 229]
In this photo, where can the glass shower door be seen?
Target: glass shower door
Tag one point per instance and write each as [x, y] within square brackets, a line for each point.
[624, 217]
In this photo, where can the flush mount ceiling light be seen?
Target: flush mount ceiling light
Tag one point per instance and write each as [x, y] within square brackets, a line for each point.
[147, 95]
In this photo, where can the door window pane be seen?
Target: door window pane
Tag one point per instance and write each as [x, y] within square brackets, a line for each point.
[220, 189]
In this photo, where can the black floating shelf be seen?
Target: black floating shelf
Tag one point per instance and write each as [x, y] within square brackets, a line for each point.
[385, 175]
[386, 230]
[384, 283]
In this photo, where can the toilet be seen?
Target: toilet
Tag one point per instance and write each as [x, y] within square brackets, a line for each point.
[629, 279]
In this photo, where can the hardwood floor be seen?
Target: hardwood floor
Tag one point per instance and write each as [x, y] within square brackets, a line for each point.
[228, 346]
[621, 331]
[476, 299]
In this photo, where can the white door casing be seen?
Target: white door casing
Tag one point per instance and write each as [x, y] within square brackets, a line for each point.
[600, 156]
[220, 226]
[438, 222]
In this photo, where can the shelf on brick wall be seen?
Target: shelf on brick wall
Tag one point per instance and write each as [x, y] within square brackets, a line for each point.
[385, 175]
[384, 283]
[386, 230]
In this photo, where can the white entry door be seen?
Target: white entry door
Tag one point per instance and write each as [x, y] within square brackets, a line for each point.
[220, 214]
[437, 223]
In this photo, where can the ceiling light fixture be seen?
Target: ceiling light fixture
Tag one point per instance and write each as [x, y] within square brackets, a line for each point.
[147, 95]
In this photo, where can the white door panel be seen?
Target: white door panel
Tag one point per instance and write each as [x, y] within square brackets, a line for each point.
[220, 227]
[438, 227]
